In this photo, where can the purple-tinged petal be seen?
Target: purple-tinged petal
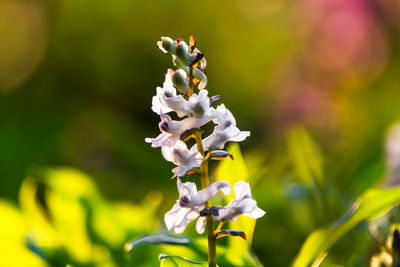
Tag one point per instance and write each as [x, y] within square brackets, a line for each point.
[207, 193]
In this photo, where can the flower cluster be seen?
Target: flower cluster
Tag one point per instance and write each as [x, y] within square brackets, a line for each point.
[194, 110]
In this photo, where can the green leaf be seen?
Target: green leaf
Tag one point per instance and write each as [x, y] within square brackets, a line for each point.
[234, 171]
[306, 156]
[176, 261]
[161, 238]
[372, 203]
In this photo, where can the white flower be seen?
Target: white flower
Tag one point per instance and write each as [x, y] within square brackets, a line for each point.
[172, 130]
[201, 105]
[242, 205]
[166, 99]
[190, 203]
[180, 156]
[225, 131]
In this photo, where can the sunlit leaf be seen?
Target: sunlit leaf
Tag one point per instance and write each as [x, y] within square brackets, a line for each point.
[68, 181]
[306, 156]
[69, 220]
[40, 228]
[14, 227]
[176, 261]
[13, 253]
[372, 203]
[320, 259]
[234, 171]
[164, 238]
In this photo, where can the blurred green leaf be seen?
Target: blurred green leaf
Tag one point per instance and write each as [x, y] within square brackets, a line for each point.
[306, 156]
[234, 171]
[175, 261]
[372, 203]
[13, 228]
[164, 238]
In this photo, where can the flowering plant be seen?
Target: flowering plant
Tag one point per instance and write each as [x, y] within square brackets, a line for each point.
[184, 93]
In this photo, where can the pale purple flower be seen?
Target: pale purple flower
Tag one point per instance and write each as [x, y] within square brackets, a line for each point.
[167, 100]
[180, 156]
[190, 203]
[242, 205]
[171, 130]
[201, 105]
[224, 132]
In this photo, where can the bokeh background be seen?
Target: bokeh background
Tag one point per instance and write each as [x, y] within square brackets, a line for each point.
[77, 77]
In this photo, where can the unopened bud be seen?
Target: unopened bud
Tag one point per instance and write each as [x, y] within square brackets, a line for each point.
[182, 52]
[180, 81]
[192, 42]
[167, 45]
[201, 76]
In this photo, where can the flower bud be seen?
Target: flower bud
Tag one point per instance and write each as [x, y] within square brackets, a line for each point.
[182, 52]
[201, 76]
[179, 64]
[167, 45]
[180, 81]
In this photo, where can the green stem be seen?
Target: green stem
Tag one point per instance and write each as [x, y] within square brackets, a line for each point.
[205, 181]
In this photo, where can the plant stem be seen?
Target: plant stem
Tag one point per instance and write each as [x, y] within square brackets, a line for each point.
[190, 92]
[205, 181]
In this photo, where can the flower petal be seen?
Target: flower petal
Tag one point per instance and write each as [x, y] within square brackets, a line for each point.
[187, 189]
[256, 213]
[201, 225]
[242, 190]
[207, 193]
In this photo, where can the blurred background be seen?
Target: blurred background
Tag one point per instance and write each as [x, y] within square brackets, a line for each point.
[77, 78]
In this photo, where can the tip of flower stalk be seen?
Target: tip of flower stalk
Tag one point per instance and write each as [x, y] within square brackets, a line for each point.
[192, 42]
